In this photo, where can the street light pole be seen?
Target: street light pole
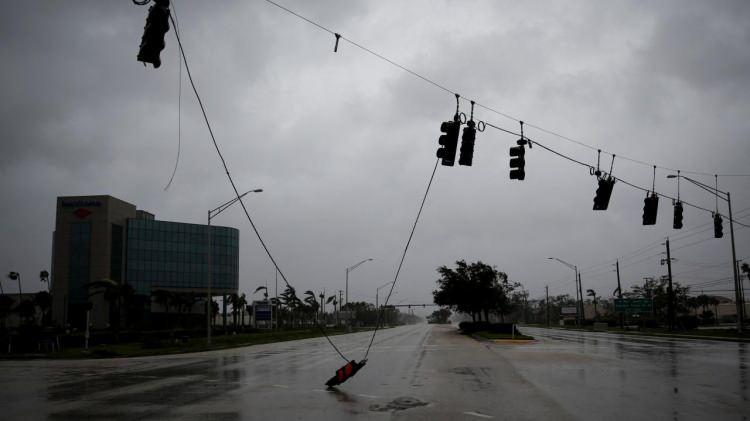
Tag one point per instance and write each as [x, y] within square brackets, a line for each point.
[737, 285]
[209, 301]
[579, 292]
[350, 269]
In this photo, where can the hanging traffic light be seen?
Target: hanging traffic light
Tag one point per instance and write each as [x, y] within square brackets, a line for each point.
[467, 144]
[677, 223]
[449, 141]
[345, 373]
[718, 226]
[650, 208]
[152, 41]
[603, 192]
[517, 161]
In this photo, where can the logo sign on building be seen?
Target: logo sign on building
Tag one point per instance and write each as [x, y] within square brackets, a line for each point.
[263, 312]
[568, 310]
[81, 213]
[81, 202]
[634, 305]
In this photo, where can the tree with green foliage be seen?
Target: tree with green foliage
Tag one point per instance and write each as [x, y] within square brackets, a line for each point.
[439, 316]
[476, 289]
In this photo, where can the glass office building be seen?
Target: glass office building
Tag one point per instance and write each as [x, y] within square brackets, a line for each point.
[102, 237]
[173, 255]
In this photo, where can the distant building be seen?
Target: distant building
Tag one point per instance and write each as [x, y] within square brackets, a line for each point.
[102, 237]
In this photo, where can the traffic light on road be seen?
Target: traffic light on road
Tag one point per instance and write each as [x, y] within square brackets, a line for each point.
[517, 162]
[467, 144]
[449, 141]
[677, 223]
[718, 226]
[345, 373]
[157, 24]
[650, 208]
[603, 193]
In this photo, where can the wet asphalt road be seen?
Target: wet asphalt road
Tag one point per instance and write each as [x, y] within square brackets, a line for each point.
[414, 372]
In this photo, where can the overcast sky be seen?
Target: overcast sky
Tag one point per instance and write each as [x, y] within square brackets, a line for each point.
[343, 143]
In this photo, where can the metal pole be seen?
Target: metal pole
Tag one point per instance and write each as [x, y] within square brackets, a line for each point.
[347, 285]
[737, 284]
[546, 290]
[276, 304]
[19, 285]
[580, 294]
[209, 303]
[86, 344]
[619, 294]
[670, 292]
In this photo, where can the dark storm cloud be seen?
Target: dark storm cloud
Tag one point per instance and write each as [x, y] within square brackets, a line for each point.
[343, 143]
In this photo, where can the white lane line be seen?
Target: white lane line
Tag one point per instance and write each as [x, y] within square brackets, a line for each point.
[282, 386]
[477, 414]
[322, 390]
[367, 396]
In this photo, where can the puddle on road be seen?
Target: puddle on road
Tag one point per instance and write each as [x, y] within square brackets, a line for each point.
[398, 404]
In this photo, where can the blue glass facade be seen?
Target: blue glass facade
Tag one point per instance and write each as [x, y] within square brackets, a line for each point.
[79, 263]
[163, 254]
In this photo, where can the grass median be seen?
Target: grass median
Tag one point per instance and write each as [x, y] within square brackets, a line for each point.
[179, 346]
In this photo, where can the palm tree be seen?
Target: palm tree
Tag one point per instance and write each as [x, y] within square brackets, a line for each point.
[43, 300]
[234, 301]
[164, 298]
[114, 293]
[242, 302]
[591, 293]
[312, 303]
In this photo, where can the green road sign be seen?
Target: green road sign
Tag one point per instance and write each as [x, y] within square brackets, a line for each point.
[634, 305]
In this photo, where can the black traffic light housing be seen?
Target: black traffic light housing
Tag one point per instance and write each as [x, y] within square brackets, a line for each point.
[650, 208]
[718, 226]
[518, 160]
[449, 141]
[677, 222]
[467, 144]
[603, 192]
[152, 41]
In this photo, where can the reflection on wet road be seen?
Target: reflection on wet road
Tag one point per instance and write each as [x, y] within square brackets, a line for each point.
[414, 372]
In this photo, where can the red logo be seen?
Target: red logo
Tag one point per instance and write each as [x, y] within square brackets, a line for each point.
[81, 213]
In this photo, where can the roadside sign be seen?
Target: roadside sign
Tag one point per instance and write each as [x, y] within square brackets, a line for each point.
[634, 305]
[263, 312]
[568, 310]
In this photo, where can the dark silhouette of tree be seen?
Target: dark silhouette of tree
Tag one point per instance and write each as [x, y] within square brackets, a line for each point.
[43, 300]
[476, 289]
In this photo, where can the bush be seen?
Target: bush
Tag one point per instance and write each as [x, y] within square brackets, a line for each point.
[688, 322]
[473, 327]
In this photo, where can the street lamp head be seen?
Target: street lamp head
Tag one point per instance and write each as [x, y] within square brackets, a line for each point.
[257, 190]
[671, 176]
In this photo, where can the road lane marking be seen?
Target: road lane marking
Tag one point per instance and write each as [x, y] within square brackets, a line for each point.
[367, 396]
[477, 414]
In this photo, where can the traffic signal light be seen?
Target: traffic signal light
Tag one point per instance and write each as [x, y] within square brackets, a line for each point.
[603, 193]
[152, 41]
[345, 373]
[677, 223]
[517, 162]
[467, 144]
[718, 226]
[449, 141]
[650, 207]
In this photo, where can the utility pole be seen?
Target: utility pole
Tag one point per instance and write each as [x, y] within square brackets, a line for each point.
[619, 294]
[670, 292]
[546, 301]
[580, 293]
[276, 304]
[737, 281]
